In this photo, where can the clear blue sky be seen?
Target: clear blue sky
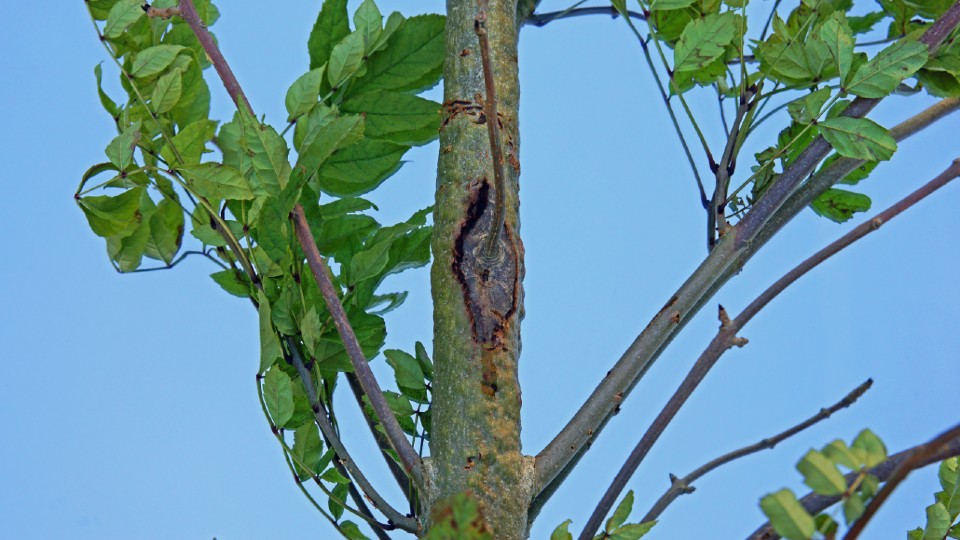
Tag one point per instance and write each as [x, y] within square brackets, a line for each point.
[129, 404]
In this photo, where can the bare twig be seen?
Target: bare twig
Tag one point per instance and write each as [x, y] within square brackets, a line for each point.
[814, 503]
[682, 486]
[405, 451]
[543, 19]
[917, 458]
[492, 242]
[330, 434]
[727, 338]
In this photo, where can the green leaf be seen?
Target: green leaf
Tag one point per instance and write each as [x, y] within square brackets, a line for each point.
[840, 453]
[396, 117]
[332, 475]
[304, 93]
[369, 23]
[108, 215]
[121, 16]
[268, 155]
[865, 23]
[166, 231]
[806, 109]
[270, 350]
[331, 26]
[307, 449]
[839, 40]
[360, 167]
[345, 59]
[621, 513]
[352, 531]
[408, 374]
[120, 150]
[370, 262]
[216, 181]
[632, 531]
[881, 75]
[852, 508]
[788, 517]
[190, 142]
[154, 60]
[665, 5]
[108, 104]
[278, 394]
[562, 532]
[938, 522]
[127, 247]
[326, 135]
[167, 91]
[949, 476]
[412, 60]
[821, 474]
[426, 365]
[703, 41]
[310, 329]
[234, 282]
[858, 138]
[870, 446]
[840, 205]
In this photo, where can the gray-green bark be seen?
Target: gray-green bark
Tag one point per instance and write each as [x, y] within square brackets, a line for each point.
[478, 305]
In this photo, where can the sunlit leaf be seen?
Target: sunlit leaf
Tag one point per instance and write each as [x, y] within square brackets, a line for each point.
[882, 73]
[787, 516]
[858, 138]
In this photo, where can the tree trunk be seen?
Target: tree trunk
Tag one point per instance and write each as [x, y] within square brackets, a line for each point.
[478, 300]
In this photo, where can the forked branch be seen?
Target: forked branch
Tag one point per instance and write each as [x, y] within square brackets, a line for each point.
[727, 258]
[727, 337]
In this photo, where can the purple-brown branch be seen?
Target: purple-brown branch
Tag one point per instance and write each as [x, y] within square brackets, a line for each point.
[189, 14]
[727, 337]
[681, 486]
[814, 503]
[543, 19]
[405, 451]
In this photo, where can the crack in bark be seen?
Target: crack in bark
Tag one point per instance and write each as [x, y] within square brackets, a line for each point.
[490, 288]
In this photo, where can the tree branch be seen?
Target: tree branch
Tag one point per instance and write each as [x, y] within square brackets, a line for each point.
[681, 486]
[542, 19]
[915, 460]
[405, 451]
[189, 14]
[777, 194]
[716, 223]
[330, 434]
[726, 259]
[815, 503]
[727, 338]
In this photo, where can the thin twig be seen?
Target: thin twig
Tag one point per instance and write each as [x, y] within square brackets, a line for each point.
[492, 241]
[727, 337]
[175, 262]
[673, 116]
[814, 503]
[914, 461]
[682, 486]
[405, 451]
[543, 19]
[330, 433]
